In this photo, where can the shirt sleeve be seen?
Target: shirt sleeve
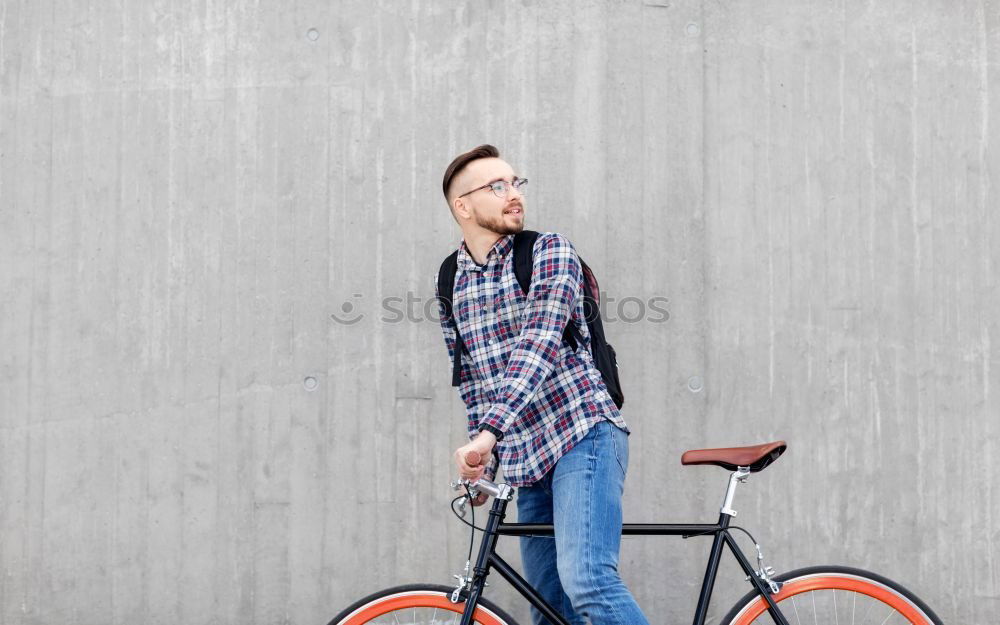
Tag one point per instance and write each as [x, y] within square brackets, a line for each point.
[555, 285]
[471, 389]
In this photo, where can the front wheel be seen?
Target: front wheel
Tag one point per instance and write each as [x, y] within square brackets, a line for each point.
[419, 604]
[835, 594]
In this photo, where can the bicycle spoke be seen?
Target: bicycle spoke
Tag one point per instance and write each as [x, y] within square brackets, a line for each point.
[796, 608]
[867, 612]
[815, 614]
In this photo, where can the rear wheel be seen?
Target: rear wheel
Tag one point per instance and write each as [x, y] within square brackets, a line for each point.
[835, 594]
[418, 604]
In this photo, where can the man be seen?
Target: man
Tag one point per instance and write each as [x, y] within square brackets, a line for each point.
[545, 408]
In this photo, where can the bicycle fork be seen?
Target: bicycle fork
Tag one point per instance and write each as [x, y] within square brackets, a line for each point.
[477, 581]
[481, 570]
[471, 585]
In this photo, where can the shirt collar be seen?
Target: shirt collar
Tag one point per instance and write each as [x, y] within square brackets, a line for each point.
[500, 250]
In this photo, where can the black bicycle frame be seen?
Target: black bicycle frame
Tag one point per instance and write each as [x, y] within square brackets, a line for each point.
[495, 527]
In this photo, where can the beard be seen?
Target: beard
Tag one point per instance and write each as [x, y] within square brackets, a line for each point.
[498, 225]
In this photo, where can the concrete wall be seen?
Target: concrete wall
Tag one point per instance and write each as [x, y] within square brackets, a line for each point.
[190, 191]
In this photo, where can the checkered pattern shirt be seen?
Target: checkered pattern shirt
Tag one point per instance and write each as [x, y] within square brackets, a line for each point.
[520, 379]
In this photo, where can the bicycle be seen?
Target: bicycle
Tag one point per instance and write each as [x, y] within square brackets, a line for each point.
[831, 593]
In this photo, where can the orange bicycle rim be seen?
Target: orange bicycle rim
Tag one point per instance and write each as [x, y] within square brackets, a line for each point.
[825, 581]
[416, 599]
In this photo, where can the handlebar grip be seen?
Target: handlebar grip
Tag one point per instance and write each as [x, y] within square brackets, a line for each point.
[472, 458]
[483, 485]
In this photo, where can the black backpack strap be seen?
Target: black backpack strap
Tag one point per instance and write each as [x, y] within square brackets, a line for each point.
[446, 294]
[524, 248]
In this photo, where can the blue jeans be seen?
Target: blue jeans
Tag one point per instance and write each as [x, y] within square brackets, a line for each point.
[577, 571]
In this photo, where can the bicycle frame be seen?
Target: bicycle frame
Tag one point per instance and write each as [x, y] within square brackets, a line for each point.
[495, 527]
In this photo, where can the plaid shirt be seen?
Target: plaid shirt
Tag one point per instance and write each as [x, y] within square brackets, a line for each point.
[520, 379]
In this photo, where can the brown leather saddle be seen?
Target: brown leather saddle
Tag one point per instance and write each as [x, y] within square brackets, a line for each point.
[756, 457]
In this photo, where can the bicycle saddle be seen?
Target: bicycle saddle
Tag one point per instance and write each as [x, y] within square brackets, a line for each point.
[756, 456]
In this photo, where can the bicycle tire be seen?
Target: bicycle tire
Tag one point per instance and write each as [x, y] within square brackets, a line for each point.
[885, 600]
[411, 598]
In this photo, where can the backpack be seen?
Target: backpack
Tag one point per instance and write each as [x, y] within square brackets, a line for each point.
[603, 353]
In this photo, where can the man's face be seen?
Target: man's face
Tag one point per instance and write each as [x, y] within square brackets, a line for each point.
[501, 215]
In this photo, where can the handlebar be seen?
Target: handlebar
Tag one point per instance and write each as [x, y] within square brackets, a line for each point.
[473, 459]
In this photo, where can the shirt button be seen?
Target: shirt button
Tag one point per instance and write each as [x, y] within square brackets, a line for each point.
[492, 341]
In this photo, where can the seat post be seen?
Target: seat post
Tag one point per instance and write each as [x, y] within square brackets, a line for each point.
[739, 475]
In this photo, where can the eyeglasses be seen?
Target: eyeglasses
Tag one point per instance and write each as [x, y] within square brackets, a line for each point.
[500, 187]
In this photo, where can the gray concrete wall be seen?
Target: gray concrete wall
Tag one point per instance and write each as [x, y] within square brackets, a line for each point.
[189, 191]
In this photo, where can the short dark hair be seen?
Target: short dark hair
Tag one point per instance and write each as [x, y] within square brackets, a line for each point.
[483, 151]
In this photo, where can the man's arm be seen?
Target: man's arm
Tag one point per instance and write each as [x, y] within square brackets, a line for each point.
[471, 389]
[556, 284]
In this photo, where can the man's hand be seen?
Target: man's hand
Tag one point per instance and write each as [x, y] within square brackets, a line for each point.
[483, 445]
